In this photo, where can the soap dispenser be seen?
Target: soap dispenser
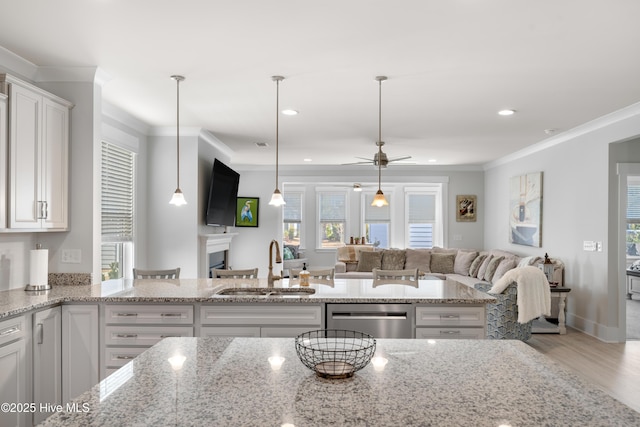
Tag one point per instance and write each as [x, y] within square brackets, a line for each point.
[304, 275]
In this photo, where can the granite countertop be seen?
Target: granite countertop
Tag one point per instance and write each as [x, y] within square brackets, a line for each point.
[18, 301]
[230, 382]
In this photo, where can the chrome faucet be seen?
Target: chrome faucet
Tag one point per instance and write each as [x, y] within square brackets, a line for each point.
[271, 277]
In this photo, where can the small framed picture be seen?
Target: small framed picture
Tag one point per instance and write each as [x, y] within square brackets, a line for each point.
[247, 211]
[466, 208]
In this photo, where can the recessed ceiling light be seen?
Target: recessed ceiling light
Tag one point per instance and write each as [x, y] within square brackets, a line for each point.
[432, 160]
[507, 112]
[308, 160]
[289, 112]
[550, 131]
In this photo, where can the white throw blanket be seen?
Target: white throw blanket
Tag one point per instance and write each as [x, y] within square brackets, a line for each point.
[534, 296]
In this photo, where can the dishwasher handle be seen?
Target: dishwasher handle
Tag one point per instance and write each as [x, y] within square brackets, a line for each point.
[380, 315]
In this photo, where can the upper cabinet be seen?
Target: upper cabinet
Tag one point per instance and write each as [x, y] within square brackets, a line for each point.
[4, 132]
[38, 163]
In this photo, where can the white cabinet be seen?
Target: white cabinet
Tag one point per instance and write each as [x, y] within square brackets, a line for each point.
[129, 329]
[263, 320]
[47, 360]
[80, 349]
[4, 151]
[450, 322]
[38, 157]
[14, 371]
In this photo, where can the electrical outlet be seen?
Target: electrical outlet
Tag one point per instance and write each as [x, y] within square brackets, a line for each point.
[457, 237]
[71, 256]
[599, 246]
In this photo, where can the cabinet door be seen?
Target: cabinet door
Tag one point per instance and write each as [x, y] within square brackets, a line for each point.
[24, 142]
[47, 360]
[54, 164]
[13, 382]
[80, 349]
[4, 152]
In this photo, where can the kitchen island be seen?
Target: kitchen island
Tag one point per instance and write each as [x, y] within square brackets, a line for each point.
[231, 382]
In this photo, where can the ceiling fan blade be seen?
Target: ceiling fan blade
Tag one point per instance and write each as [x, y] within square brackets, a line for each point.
[364, 158]
[368, 162]
[400, 158]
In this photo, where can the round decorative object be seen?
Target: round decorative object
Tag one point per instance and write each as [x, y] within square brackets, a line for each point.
[335, 353]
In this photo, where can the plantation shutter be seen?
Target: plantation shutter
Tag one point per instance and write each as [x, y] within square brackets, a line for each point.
[117, 194]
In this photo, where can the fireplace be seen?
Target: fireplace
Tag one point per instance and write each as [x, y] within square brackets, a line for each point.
[218, 260]
[214, 252]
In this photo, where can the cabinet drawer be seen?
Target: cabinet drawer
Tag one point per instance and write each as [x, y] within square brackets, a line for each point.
[149, 314]
[143, 335]
[263, 314]
[116, 357]
[450, 316]
[450, 333]
[12, 329]
[230, 331]
[283, 331]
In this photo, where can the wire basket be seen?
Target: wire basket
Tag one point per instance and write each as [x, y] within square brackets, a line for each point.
[335, 353]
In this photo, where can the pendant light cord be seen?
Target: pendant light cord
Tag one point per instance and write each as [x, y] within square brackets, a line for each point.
[277, 124]
[178, 130]
[379, 134]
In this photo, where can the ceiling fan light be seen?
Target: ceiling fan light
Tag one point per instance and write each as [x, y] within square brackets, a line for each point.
[357, 187]
[379, 200]
[277, 199]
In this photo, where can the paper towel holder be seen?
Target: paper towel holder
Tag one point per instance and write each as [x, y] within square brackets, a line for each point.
[41, 287]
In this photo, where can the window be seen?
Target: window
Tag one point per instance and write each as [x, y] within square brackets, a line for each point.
[117, 211]
[332, 214]
[424, 217]
[292, 218]
[633, 216]
[377, 221]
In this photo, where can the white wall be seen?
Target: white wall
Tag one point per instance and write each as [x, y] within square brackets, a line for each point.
[576, 207]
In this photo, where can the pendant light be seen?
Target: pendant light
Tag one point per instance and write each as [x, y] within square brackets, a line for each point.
[276, 198]
[178, 197]
[379, 200]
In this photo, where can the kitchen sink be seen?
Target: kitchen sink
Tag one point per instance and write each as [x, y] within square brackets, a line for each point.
[266, 292]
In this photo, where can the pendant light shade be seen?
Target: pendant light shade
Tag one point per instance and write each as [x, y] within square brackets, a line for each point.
[379, 200]
[178, 198]
[276, 198]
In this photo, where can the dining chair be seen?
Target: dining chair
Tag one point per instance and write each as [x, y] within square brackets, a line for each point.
[156, 274]
[323, 274]
[410, 274]
[250, 273]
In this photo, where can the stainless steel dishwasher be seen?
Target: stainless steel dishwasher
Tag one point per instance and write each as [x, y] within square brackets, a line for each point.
[378, 320]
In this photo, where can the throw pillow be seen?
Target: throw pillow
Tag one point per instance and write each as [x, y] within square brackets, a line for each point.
[491, 268]
[393, 259]
[346, 254]
[442, 263]
[506, 265]
[483, 267]
[287, 253]
[475, 265]
[418, 258]
[463, 262]
[368, 261]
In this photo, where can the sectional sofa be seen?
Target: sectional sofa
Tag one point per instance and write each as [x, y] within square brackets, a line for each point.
[467, 266]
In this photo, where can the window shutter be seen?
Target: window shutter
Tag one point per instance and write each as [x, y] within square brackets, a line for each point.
[422, 208]
[292, 211]
[332, 207]
[374, 213]
[633, 203]
[117, 194]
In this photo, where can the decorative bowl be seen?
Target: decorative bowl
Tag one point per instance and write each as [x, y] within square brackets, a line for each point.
[335, 353]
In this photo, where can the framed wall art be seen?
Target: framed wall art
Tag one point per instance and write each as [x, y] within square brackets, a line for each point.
[247, 211]
[525, 209]
[466, 206]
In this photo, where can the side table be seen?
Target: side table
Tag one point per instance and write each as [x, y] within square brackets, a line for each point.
[543, 326]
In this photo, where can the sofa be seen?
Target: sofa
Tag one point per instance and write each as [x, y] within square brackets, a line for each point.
[292, 258]
[467, 266]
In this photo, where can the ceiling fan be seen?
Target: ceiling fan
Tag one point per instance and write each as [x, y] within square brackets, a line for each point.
[380, 158]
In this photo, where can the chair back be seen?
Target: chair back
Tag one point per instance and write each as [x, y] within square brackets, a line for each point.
[323, 274]
[156, 274]
[410, 274]
[250, 273]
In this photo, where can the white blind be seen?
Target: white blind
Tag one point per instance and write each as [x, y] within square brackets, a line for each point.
[422, 208]
[374, 213]
[292, 211]
[633, 203]
[332, 207]
[117, 194]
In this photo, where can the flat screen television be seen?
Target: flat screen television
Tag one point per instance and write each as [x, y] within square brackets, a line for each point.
[223, 191]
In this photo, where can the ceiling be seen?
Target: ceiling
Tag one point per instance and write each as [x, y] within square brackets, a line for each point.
[451, 65]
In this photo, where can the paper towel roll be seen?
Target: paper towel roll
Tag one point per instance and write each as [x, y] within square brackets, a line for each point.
[39, 267]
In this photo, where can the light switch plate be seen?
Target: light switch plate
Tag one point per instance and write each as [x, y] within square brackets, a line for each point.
[71, 256]
[589, 245]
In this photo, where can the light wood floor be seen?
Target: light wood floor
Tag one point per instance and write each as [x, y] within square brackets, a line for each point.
[614, 368]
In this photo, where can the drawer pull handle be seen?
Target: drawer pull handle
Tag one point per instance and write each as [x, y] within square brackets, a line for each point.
[171, 315]
[449, 316]
[126, 335]
[127, 314]
[449, 332]
[9, 331]
[120, 357]
[169, 336]
[40, 333]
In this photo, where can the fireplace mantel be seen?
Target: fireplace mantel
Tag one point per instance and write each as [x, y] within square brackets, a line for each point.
[211, 243]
